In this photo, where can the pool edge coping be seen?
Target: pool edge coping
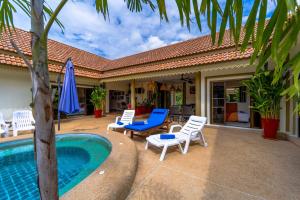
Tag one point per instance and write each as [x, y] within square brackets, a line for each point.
[119, 169]
[119, 173]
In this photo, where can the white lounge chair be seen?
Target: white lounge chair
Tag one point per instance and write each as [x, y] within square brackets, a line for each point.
[127, 118]
[3, 125]
[22, 121]
[191, 131]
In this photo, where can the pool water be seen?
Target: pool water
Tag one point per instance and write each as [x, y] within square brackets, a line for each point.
[77, 155]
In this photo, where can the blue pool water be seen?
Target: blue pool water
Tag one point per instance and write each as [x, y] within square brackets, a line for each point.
[77, 155]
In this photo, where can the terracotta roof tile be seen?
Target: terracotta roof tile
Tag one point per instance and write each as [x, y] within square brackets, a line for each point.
[198, 51]
[6, 59]
[179, 63]
[194, 46]
[57, 52]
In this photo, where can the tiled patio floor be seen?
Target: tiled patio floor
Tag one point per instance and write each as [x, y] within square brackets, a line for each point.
[237, 164]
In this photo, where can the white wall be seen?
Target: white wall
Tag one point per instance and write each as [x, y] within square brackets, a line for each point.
[140, 98]
[15, 91]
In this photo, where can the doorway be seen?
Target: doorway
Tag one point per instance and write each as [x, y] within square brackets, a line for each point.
[117, 100]
[89, 105]
[230, 105]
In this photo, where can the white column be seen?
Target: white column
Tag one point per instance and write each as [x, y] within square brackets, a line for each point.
[132, 89]
[198, 93]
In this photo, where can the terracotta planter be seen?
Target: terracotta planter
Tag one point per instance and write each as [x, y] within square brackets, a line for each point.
[143, 109]
[148, 109]
[98, 113]
[138, 110]
[270, 127]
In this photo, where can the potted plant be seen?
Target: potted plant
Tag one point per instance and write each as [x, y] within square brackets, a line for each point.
[266, 95]
[97, 98]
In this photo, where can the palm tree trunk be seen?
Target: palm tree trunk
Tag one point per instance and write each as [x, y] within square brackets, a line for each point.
[45, 131]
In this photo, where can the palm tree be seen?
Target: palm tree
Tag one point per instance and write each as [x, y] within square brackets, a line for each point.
[272, 39]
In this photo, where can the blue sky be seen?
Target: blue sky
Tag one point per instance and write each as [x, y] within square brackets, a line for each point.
[126, 33]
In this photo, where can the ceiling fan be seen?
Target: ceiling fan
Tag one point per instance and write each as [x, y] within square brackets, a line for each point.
[188, 80]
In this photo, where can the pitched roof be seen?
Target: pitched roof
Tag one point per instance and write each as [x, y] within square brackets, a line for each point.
[198, 51]
[58, 53]
[231, 55]
[193, 46]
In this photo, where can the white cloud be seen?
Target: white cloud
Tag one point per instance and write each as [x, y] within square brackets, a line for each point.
[124, 34]
[152, 43]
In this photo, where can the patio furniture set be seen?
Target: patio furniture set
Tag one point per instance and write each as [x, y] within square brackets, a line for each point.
[22, 121]
[191, 131]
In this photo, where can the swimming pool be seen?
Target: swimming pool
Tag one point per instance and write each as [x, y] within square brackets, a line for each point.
[77, 155]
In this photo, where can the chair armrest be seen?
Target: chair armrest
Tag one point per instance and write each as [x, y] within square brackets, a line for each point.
[118, 118]
[2, 122]
[4, 126]
[32, 121]
[194, 131]
[174, 126]
[14, 124]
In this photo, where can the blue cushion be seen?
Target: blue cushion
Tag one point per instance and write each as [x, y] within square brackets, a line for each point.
[157, 118]
[120, 123]
[159, 110]
[138, 123]
[167, 136]
[139, 128]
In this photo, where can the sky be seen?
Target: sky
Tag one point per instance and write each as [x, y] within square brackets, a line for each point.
[126, 33]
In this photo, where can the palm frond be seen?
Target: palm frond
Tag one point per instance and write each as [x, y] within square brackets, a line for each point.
[7, 11]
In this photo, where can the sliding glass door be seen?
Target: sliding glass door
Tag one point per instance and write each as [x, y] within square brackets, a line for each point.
[218, 103]
[230, 104]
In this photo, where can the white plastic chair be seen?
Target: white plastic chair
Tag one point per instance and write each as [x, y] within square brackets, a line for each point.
[127, 118]
[191, 131]
[22, 121]
[3, 125]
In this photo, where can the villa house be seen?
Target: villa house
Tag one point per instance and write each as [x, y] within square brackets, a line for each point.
[191, 76]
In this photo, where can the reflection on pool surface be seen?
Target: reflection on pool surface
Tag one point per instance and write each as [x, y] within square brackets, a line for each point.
[78, 155]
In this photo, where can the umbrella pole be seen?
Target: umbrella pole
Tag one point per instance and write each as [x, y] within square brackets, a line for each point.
[58, 112]
[58, 117]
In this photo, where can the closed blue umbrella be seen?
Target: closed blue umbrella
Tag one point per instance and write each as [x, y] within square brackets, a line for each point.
[68, 101]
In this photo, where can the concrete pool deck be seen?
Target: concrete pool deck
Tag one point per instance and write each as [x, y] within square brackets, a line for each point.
[237, 164]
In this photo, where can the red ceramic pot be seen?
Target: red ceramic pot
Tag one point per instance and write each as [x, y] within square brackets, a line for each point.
[98, 113]
[138, 110]
[270, 127]
[148, 109]
[143, 109]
